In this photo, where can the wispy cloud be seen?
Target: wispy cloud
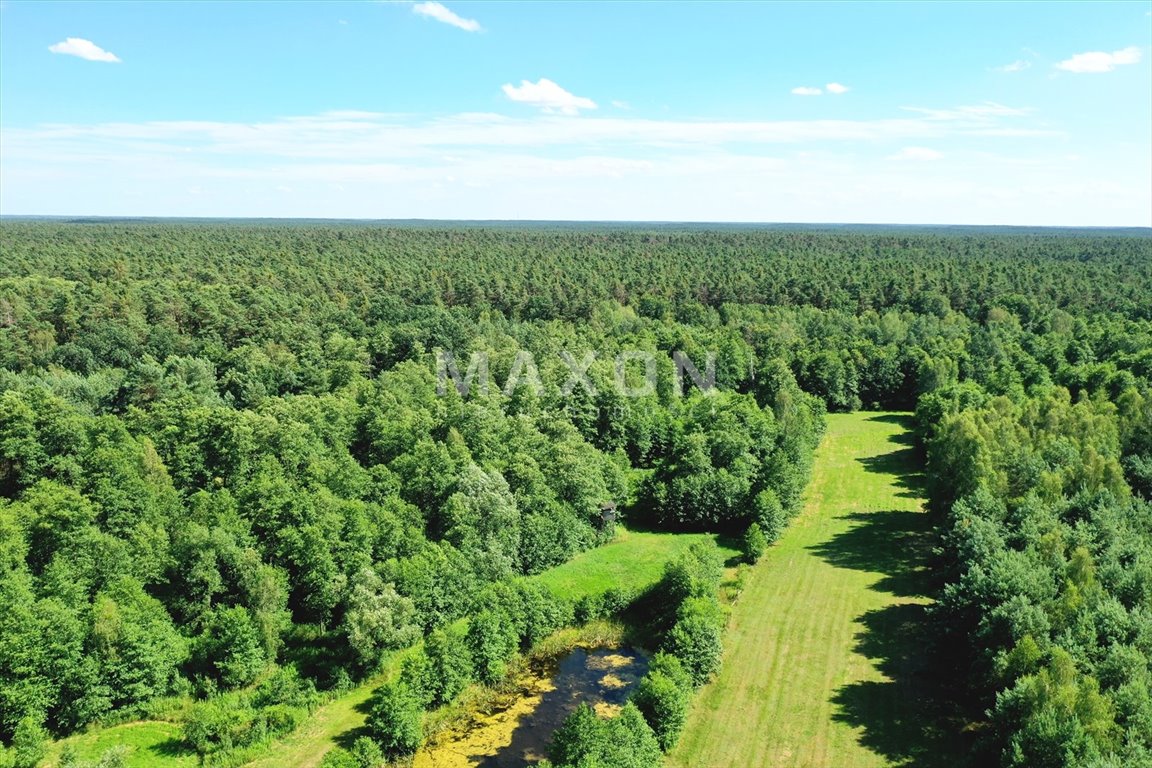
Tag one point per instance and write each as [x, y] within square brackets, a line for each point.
[441, 13]
[917, 154]
[1017, 66]
[808, 90]
[84, 49]
[1100, 61]
[483, 165]
[548, 96]
[983, 113]
[370, 137]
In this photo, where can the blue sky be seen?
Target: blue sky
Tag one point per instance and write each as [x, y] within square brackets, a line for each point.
[980, 113]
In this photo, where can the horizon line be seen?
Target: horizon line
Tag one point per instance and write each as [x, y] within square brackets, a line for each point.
[82, 218]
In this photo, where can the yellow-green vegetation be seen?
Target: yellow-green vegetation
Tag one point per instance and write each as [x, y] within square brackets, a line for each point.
[821, 667]
[484, 720]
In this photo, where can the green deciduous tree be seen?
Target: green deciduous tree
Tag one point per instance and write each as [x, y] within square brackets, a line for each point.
[396, 720]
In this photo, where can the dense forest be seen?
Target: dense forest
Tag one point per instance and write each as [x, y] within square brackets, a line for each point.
[231, 480]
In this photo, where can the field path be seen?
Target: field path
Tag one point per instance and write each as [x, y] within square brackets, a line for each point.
[824, 662]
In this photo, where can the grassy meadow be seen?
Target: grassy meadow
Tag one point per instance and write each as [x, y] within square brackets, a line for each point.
[822, 664]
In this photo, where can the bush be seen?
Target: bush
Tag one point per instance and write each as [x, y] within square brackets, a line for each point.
[770, 515]
[492, 640]
[544, 613]
[588, 608]
[338, 757]
[449, 665]
[396, 720]
[586, 741]
[230, 649]
[416, 673]
[287, 687]
[697, 638]
[278, 719]
[213, 726]
[115, 757]
[615, 601]
[753, 544]
[576, 737]
[367, 753]
[28, 743]
[664, 704]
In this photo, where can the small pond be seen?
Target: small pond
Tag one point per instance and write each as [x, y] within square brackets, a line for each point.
[519, 734]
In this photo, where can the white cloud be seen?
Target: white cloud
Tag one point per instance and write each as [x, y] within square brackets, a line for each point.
[1017, 66]
[983, 113]
[85, 49]
[377, 165]
[804, 90]
[621, 104]
[350, 136]
[548, 96]
[916, 153]
[1100, 61]
[837, 88]
[440, 13]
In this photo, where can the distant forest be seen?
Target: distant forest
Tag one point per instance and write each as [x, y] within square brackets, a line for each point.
[228, 483]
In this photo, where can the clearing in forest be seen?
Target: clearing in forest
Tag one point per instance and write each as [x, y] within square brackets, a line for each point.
[824, 661]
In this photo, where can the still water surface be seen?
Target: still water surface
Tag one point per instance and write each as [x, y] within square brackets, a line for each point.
[519, 735]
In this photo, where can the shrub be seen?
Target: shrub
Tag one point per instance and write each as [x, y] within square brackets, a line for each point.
[367, 753]
[664, 704]
[586, 741]
[28, 743]
[770, 515]
[213, 726]
[449, 664]
[396, 720]
[753, 544]
[696, 638]
[588, 608]
[492, 640]
[339, 757]
[615, 601]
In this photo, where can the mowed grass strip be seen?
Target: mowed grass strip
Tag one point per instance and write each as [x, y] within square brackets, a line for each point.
[811, 643]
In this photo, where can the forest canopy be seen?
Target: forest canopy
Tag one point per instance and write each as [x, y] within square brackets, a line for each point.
[228, 467]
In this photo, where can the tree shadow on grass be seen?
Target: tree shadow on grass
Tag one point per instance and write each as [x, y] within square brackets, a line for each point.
[912, 718]
[172, 748]
[903, 420]
[898, 464]
[895, 544]
[348, 737]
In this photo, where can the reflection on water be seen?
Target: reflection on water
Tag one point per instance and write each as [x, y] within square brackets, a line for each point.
[519, 735]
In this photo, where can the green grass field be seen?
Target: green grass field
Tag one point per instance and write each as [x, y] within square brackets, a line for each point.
[823, 661]
[633, 560]
[148, 743]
